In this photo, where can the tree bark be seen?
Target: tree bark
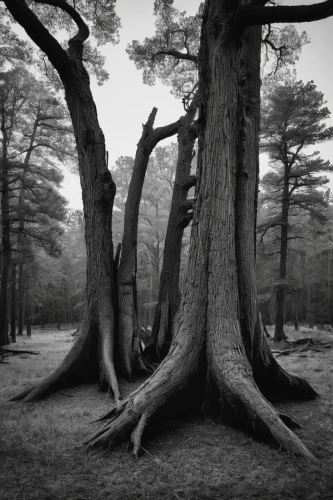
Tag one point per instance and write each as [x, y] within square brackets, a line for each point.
[93, 353]
[21, 235]
[5, 229]
[13, 305]
[281, 291]
[179, 218]
[21, 297]
[296, 309]
[28, 311]
[221, 340]
[128, 330]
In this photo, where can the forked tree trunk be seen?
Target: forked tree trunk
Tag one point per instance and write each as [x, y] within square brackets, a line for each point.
[221, 339]
[179, 218]
[92, 355]
[128, 331]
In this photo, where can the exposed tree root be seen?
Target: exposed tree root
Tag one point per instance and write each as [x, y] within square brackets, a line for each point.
[241, 399]
[273, 381]
[81, 363]
[136, 435]
[107, 372]
[131, 414]
[247, 405]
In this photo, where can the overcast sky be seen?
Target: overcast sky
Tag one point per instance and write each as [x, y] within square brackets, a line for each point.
[124, 102]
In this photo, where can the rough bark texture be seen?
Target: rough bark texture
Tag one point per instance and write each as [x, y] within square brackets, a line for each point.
[220, 323]
[93, 352]
[179, 217]
[128, 332]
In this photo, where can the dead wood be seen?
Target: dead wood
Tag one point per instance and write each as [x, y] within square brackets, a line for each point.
[311, 345]
[6, 352]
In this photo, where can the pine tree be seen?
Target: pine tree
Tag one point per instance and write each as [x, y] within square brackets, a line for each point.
[292, 120]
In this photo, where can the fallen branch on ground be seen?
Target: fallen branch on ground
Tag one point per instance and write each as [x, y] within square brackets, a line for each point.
[311, 345]
[7, 352]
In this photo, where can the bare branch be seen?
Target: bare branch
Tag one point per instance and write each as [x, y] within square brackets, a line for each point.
[252, 15]
[177, 55]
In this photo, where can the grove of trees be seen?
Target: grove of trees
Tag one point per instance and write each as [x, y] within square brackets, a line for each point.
[208, 341]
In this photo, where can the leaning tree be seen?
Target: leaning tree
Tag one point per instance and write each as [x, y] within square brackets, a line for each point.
[93, 352]
[171, 55]
[220, 356]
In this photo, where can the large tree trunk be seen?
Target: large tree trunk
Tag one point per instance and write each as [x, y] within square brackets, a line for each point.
[128, 332]
[221, 333]
[179, 218]
[93, 353]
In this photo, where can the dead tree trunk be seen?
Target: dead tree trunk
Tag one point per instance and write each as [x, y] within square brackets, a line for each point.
[221, 342]
[128, 331]
[180, 216]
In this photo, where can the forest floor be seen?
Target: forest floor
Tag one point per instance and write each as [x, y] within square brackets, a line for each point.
[200, 459]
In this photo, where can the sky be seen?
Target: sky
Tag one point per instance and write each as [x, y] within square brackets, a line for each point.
[124, 102]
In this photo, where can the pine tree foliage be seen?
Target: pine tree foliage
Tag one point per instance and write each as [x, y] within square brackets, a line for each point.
[293, 122]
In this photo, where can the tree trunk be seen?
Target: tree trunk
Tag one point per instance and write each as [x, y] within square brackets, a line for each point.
[93, 353]
[179, 217]
[13, 305]
[128, 332]
[21, 297]
[221, 342]
[281, 293]
[5, 230]
[21, 234]
[296, 310]
[28, 311]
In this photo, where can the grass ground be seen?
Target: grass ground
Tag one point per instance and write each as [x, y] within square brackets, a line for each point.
[40, 457]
